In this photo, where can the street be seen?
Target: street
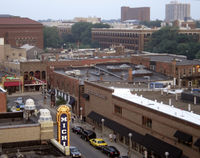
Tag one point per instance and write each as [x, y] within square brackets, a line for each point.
[85, 148]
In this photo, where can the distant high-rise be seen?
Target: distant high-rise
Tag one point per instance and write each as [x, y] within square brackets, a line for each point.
[142, 14]
[177, 11]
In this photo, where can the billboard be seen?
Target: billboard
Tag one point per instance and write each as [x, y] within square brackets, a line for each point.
[63, 122]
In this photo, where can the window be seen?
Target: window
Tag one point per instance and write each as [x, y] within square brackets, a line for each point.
[118, 110]
[146, 122]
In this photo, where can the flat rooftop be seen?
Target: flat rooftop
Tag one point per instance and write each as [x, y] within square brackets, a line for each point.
[31, 149]
[15, 119]
[162, 107]
[115, 72]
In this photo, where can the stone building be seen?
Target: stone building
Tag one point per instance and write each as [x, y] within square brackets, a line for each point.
[18, 31]
[131, 38]
[155, 128]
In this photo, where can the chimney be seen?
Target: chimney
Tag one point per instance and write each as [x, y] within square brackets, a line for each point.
[101, 77]
[130, 75]
[57, 57]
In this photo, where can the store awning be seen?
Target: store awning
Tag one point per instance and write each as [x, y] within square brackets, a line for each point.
[122, 130]
[197, 143]
[183, 136]
[72, 101]
[12, 84]
[160, 147]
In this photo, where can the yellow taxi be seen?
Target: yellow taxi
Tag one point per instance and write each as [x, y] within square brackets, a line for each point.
[98, 142]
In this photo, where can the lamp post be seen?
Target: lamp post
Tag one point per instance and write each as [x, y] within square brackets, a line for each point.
[166, 154]
[81, 109]
[102, 124]
[130, 144]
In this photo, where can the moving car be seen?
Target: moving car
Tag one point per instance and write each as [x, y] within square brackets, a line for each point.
[98, 142]
[111, 151]
[88, 134]
[77, 129]
[74, 152]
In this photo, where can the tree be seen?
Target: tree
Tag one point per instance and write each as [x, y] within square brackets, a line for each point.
[168, 40]
[151, 24]
[51, 37]
[198, 55]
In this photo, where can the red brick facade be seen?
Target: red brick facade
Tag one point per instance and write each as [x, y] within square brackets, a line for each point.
[142, 14]
[19, 31]
[3, 102]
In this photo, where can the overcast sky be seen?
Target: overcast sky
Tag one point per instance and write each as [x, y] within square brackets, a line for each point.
[68, 9]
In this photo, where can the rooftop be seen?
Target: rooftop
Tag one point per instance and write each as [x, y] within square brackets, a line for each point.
[27, 47]
[117, 72]
[17, 21]
[158, 106]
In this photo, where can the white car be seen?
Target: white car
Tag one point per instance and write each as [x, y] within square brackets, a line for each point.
[19, 100]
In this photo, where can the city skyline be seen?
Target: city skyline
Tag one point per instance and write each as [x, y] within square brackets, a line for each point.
[63, 9]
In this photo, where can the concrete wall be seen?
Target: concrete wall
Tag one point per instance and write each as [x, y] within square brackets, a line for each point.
[20, 134]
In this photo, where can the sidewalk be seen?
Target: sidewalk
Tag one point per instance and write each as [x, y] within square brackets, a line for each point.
[122, 148]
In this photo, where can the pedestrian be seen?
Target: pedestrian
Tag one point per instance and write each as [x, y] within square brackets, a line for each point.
[110, 137]
[72, 119]
[115, 138]
[93, 128]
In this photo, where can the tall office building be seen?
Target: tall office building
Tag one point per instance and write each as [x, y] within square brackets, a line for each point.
[177, 11]
[142, 14]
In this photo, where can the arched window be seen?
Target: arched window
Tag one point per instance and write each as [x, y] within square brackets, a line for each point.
[37, 74]
[43, 75]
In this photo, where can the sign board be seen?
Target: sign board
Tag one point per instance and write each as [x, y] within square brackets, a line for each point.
[63, 121]
[1, 41]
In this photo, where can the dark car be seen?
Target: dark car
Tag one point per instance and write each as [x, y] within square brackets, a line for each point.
[88, 134]
[74, 152]
[111, 151]
[77, 129]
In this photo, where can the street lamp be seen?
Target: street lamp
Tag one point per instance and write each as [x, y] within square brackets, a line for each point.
[166, 154]
[81, 108]
[130, 144]
[102, 123]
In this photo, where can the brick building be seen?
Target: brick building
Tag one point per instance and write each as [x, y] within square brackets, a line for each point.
[186, 73]
[18, 31]
[134, 39]
[3, 102]
[156, 128]
[131, 38]
[142, 14]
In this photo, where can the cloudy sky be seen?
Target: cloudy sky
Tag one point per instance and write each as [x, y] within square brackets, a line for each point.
[68, 9]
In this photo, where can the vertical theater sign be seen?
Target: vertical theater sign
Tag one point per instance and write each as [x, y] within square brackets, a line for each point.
[63, 120]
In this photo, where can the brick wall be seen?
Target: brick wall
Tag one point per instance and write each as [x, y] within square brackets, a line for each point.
[3, 102]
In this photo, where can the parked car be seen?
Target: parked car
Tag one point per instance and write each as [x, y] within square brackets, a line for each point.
[77, 129]
[98, 142]
[88, 134]
[111, 151]
[74, 152]
[19, 100]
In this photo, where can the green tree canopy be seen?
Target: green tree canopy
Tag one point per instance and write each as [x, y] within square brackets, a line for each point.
[168, 40]
[51, 37]
[156, 23]
[80, 33]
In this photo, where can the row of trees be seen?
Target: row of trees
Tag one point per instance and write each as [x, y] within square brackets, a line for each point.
[80, 36]
[168, 40]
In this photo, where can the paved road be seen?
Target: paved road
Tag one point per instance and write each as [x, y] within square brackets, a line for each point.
[85, 148]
